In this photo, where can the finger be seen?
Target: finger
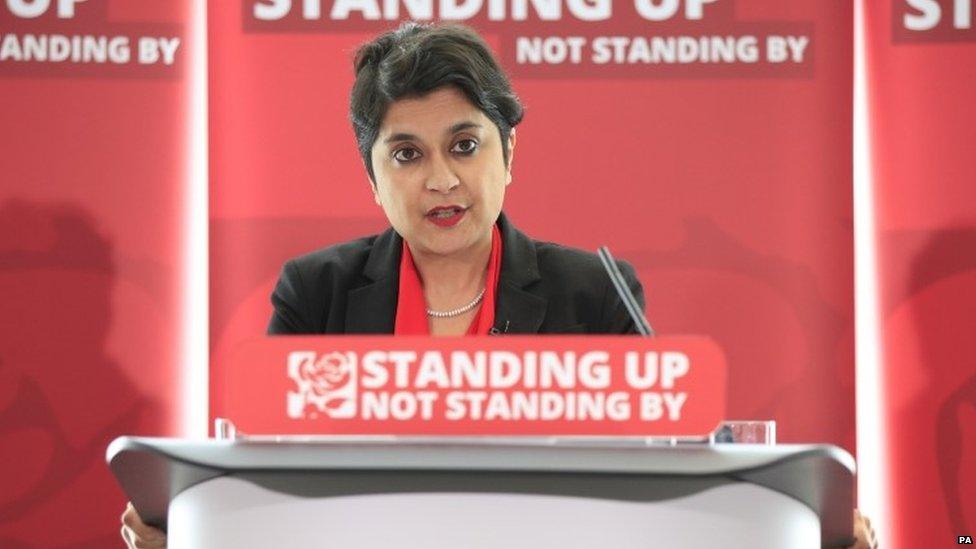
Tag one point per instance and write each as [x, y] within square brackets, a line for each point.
[138, 543]
[155, 538]
[148, 544]
[126, 537]
[140, 529]
[130, 516]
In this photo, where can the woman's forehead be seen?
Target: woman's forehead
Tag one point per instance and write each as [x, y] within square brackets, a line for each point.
[432, 115]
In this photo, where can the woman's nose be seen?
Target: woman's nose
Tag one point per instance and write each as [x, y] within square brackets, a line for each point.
[441, 177]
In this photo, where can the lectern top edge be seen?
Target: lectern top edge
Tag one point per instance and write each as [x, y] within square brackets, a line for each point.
[607, 455]
[152, 471]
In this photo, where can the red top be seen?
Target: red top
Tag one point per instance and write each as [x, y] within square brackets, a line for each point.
[411, 313]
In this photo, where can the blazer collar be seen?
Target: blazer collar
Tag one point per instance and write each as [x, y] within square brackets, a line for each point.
[371, 308]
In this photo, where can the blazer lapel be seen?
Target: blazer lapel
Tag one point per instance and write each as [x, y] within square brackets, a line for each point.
[371, 308]
[518, 310]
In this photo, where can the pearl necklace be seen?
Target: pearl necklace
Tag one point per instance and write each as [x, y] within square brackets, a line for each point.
[460, 310]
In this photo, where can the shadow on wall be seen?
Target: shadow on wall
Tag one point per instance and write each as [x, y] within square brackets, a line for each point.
[62, 398]
[246, 257]
[790, 350]
[949, 435]
[928, 302]
[947, 351]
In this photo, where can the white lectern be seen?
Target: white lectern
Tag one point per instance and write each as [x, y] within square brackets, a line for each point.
[440, 493]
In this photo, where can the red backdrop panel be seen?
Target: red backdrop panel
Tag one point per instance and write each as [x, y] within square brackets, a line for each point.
[922, 113]
[91, 202]
[728, 186]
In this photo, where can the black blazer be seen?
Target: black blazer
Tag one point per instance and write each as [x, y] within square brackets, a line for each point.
[545, 288]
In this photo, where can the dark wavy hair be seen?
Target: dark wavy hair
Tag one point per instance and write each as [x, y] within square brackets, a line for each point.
[416, 59]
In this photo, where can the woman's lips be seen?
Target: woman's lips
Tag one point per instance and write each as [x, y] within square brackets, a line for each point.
[446, 216]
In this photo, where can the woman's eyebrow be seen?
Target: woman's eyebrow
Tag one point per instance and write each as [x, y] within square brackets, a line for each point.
[401, 137]
[461, 126]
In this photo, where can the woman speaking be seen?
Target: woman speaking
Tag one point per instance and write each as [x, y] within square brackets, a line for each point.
[435, 117]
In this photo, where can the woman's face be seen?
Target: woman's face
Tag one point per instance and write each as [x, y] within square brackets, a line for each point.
[440, 174]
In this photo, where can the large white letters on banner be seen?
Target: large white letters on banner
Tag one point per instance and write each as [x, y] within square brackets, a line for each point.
[930, 14]
[660, 10]
[29, 9]
[418, 10]
[929, 17]
[342, 8]
[271, 10]
[460, 10]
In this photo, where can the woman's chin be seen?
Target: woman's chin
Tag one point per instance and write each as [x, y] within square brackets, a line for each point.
[442, 247]
[451, 244]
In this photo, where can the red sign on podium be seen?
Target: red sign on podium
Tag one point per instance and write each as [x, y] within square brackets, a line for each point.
[518, 385]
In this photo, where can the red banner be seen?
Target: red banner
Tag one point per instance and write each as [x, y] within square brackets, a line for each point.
[921, 55]
[94, 111]
[475, 386]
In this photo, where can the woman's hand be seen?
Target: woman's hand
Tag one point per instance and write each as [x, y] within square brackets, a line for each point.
[863, 532]
[137, 534]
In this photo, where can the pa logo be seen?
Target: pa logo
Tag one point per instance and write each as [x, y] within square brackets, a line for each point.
[964, 540]
[325, 385]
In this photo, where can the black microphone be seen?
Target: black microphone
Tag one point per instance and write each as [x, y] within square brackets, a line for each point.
[630, 302]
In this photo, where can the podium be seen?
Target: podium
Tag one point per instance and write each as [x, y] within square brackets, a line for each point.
[371, 492]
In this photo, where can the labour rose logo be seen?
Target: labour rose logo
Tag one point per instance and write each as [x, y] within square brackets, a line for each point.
[326, 385]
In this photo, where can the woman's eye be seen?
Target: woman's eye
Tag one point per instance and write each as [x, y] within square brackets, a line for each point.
[465, 146]
[405, 154]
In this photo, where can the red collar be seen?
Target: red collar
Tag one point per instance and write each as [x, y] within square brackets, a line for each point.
[411, 311]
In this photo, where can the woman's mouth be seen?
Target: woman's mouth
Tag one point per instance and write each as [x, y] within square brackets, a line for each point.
[446, 216]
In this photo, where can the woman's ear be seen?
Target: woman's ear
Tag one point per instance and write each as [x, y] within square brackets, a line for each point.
[372, 185]
[376, 195]
[376, 192]
[511, 156]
